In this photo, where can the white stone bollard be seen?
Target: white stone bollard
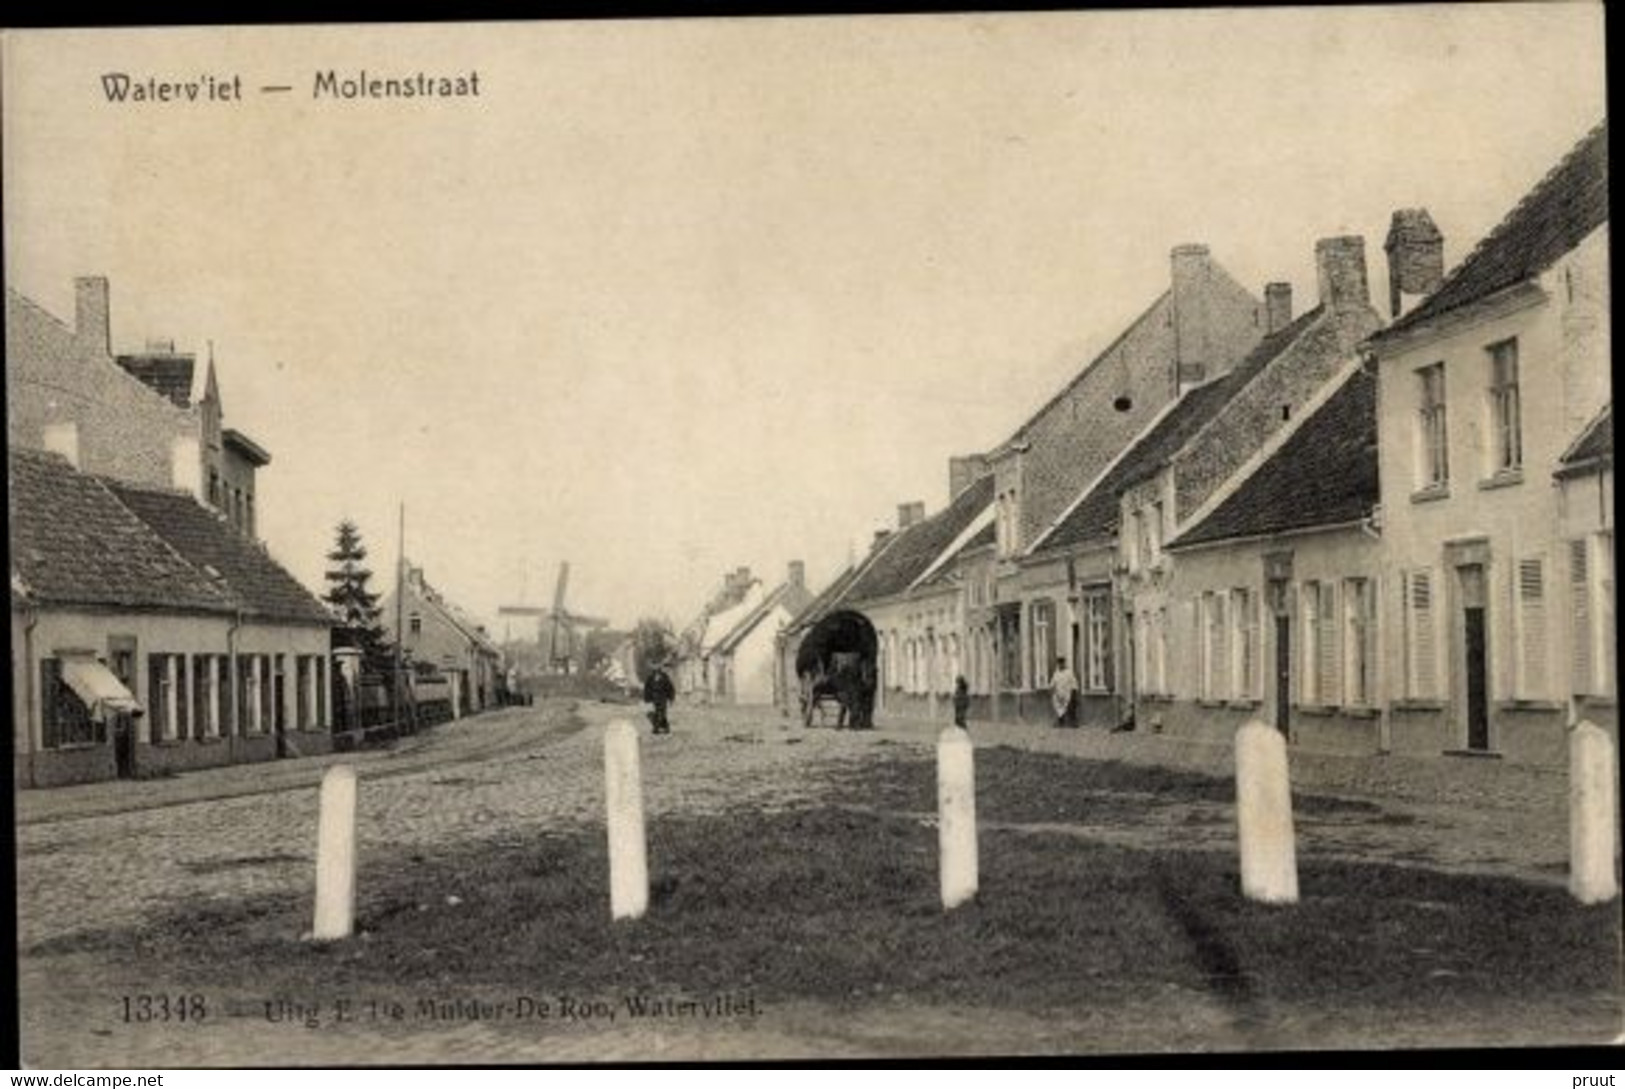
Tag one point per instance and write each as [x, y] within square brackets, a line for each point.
[623, 797]
[956, 816]
[1269, 864]
[335, 856]
[1592, 827]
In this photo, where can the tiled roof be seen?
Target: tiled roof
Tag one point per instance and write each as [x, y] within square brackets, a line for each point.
[921, 543]
[833, 594]
[1594, 446]
[1556, 215]
[1325, 474]
[256, 583]
[166, 372]
[1095, 518]
[74, 543]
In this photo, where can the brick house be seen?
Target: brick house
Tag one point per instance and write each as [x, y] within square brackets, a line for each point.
[739, 657]
[149, 635]
[1502, 565]
[442, 634]
[130, 416]
[1092, 587]
[1270, 603]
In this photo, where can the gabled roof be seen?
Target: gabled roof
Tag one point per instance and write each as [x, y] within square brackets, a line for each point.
[1145, 315]
[782, 596]
[1553, 218]
[255, 583]
[1324, 474]
[920, 544]
[1094, 515]
[1594, 447]
[74, 543]
[452, 613]
[168, 373]
[983, 538]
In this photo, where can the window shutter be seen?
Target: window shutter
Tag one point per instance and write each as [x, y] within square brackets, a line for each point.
[1221, 649]
[1327, 644]
[1309, 684]
[1532, 626]
[1580, 610]
[1420, 614]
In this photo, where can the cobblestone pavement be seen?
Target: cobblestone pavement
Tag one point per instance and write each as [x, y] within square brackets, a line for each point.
[94, 858]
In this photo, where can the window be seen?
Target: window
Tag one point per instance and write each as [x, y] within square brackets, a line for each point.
[223, 693]
[416, 624]
[249, 525]
[1309, 674]
[65, 718]
[1243, 653]
[1159, 649]
[1215, 655]
[160, 698]
[1421, 670]
[204, 706]
[1144, 555]
[1529, 634]
[303, 666]
[1359, 641]
[1434, 434]
[1153, 535]
[1097, 642]
[1043, 642]
[1327, 687]
[1506, 434]
[1142, 651]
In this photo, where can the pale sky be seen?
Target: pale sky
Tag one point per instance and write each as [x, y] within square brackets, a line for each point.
[671, 297]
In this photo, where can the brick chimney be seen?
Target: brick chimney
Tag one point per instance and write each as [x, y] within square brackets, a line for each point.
[1192, 266]
[1277, 307]
[92, 328]
[910, 514]
[1340, 263]
[797, 575]
[1415, 251]
[965, 470]
[62, 438]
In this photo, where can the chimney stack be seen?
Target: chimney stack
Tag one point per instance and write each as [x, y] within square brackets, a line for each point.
[1415, 251]
[963, 471]
[92, 328]
[1191, 267]
[1277, 306]
[63, 438]
[910, 514]
[797, 577]
[1340, 263]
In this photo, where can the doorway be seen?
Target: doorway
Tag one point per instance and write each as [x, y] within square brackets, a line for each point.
[121, 660]
[1470, 580]
[1279, 600]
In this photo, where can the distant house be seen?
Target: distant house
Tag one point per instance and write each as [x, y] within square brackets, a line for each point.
[692, 673]
[441, 634]
[149, 635]
[1496, 522]
[135, 417]
[739, 652]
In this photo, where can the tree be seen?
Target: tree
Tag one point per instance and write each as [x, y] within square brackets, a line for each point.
[357, 606]
[653, 643]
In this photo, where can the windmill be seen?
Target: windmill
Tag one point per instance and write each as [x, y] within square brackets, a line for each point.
[556, 627]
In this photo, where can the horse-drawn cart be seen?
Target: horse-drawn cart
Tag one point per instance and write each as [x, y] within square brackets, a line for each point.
[836, 662]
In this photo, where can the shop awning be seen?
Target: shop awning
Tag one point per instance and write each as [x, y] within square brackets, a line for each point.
[95, 684]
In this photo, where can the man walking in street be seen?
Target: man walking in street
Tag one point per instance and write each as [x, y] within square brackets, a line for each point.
[1063, 693]
[659, 691]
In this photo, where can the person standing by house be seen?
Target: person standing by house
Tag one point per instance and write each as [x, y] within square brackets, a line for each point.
[961, 702]
[1063, 694]
[659, 691]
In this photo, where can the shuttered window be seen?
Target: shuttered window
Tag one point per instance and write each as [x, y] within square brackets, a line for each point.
[1420, 655]
[1218, 631]
[1580, 617]
[1531, 627]
[1309, 674]
[1327, 686]
[1359, 641]
[1242, 636]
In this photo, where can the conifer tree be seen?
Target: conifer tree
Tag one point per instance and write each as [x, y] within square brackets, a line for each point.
[355, 604]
